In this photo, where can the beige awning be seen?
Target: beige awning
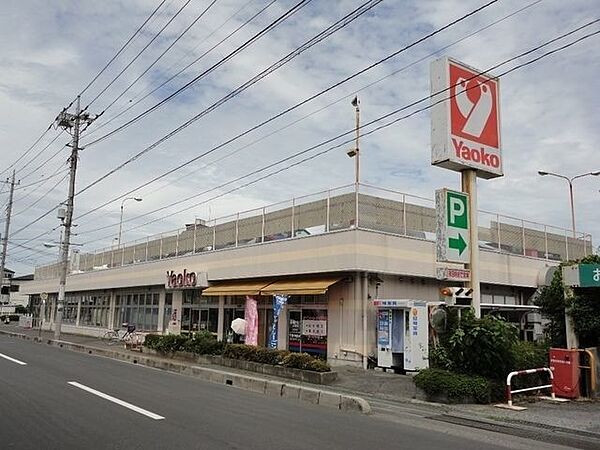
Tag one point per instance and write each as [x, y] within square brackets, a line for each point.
[306, 286]
[235, 288]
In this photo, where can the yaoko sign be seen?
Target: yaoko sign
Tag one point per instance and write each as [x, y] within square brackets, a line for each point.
[452, 226]
[465, 119]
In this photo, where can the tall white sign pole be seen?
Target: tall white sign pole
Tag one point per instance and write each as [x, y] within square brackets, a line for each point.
[469, 186]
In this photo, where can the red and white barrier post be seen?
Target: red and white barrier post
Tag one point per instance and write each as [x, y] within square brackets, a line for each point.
[510, 392]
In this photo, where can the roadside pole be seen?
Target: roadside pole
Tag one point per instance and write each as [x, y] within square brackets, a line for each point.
[469, 186]
[5, 237]
[67, 120]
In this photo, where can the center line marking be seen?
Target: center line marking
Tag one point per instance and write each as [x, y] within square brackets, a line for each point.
[110, 398]
[13, 360]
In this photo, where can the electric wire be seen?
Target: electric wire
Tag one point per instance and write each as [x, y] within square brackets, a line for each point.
[346, 20]
[48, 192]
[428, 97]
[175, 75]
[128, 65]
[292, 108]
[122, 48]
[156, 60]
[350, 132]
[294, 9]
[345, 96]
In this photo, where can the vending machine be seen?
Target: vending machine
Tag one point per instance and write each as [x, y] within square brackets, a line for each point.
[402, 334]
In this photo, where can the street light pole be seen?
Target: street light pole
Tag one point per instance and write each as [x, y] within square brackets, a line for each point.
[137, 199]
[571, 197]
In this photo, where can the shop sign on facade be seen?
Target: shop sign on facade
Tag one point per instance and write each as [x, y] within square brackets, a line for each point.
[465, 119]
[452, 274]
[582, 275]
[185, 279]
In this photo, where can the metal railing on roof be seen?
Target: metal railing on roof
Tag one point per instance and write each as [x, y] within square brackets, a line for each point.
[376, 209]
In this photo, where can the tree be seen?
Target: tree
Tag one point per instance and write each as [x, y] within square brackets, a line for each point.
[584, 308]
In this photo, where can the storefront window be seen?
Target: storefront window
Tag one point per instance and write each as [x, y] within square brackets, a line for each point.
[70, 309]
[94, 310]
[307, 324]
[140, 309]
[200, 313]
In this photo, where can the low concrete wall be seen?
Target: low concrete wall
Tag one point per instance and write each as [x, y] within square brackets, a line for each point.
[306, 376]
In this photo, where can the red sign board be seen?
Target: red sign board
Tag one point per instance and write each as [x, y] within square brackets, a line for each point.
[465, 119]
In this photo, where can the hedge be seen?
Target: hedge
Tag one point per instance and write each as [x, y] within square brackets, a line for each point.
[456, 387]
[205, 344]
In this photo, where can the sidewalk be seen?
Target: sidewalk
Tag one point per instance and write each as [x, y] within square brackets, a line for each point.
[581, 418]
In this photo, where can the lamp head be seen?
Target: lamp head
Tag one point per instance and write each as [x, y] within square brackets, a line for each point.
[542, 173]
[596, 173]
[352, 153]
[137, 199]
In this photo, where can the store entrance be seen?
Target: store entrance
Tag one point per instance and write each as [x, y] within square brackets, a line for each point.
[307, 331]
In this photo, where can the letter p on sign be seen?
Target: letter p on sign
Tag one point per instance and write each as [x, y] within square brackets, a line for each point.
[457, 211]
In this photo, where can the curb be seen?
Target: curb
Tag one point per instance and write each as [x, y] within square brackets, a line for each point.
[263, 386]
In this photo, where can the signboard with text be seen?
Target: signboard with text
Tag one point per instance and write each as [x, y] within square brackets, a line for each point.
[465, 119]
[452, 226]
[582, 275]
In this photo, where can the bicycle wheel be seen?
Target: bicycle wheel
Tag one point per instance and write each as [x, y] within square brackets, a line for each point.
[110, 337]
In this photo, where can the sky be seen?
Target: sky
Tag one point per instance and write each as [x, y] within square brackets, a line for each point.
[51, 51]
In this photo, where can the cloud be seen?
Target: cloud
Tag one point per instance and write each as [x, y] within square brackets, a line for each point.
[549, 109]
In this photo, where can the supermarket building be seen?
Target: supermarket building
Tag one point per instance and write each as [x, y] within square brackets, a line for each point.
[331, 253]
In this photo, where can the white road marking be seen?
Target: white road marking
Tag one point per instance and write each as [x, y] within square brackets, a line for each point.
[110, 398]
[13, 360]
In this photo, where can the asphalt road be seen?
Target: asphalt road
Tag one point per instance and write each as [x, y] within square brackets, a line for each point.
[67, 400]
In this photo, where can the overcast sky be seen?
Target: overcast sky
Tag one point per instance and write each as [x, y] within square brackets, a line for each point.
[50, 51]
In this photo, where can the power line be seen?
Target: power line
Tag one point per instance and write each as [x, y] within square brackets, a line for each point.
[43, 180]
[160, 56]
[347, 133]
[46, 161]
[38, 154]
[138, 55]
[301, 4]
[122, 47]
[346, 20]
[172, 77]
[28, 150]
[286, 111]
[43, 197]
[85, 89]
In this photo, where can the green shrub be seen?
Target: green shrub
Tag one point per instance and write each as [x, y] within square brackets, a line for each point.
[240, 351]
[152, 341]
[529, 355]
[204, 343]
[305, 361]
[170, 343]
[456, 387]
[483, 346]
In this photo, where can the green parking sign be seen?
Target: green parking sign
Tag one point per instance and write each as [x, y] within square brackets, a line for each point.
[457, 204]
[452, 230]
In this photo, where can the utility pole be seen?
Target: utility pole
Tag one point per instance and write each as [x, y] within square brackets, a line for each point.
[68, 121]
[6, 231]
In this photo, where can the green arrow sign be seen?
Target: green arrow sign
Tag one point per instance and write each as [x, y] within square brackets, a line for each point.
[457, 243]
[452, 226]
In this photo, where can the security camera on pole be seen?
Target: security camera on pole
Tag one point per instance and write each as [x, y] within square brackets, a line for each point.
[465, 137]
[68, 122]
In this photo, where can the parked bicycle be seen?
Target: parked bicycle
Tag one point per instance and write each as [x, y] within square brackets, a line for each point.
[126, 336]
